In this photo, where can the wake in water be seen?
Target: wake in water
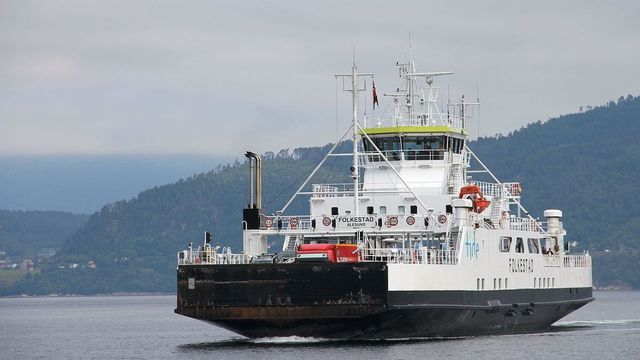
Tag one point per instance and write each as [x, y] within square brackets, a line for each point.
[298, 341]
[589, 323]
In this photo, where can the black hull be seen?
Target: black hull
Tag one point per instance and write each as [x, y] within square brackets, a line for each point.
[351, 301]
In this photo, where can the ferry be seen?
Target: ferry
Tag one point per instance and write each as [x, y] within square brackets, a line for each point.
[423, 242]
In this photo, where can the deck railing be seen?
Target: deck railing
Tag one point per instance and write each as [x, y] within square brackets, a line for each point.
[499, 190]
[524, 224]
[410, 256]
[417, 119]
[292, 222]
[552, 260]
[407, 155]
[567, 260]
[577, 261]
[210, 257]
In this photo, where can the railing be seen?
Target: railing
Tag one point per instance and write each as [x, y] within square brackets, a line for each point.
[567, 260]
[328, 223]
[334, 190]
[552, 260]
[407, 155]
[577, 261]
[410, 256]
[292, 222]
[502, 190]
[417, 119]
[210, 257]
[522, 224]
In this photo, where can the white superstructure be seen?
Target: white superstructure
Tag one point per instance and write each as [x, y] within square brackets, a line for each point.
[414, 205]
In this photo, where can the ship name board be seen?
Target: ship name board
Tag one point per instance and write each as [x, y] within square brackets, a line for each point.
[520, 265]
[356, 221]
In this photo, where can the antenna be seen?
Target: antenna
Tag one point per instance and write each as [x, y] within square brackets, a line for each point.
[410, 51]
[354, 53]
[478, 120]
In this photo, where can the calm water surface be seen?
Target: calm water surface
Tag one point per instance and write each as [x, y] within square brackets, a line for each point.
[145, 327]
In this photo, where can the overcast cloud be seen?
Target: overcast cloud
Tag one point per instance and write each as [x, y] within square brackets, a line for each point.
[220, 77]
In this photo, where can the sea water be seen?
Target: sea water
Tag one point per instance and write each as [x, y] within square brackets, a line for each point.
[145, 327]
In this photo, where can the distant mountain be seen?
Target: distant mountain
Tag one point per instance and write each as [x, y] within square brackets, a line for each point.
[24, 233]
[83, 184]
[584, 164]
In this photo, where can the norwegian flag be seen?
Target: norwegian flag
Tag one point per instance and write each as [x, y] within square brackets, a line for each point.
[375, 96]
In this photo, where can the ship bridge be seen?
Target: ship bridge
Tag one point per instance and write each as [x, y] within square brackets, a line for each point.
[411, 152]
[424, 156]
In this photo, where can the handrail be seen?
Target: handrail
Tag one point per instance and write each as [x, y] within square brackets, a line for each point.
[392, 222]
[407, 155]
[210, 257]
[411, 256]
[417, 119]
[567, 261]
[577, 261]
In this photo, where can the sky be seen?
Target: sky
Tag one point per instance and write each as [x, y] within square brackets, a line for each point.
[218, 78]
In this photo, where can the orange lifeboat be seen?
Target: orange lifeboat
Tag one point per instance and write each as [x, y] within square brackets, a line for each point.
[475, 195]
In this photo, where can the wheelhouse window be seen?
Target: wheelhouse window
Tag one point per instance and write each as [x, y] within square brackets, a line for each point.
[456, 145]
[390, 146]
[428, 147]
[424, 147]
[519, 245]
[505, 244]
[533, 245]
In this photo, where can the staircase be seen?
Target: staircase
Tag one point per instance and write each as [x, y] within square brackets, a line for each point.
[289, 244]
[495, 214]
[454, 178]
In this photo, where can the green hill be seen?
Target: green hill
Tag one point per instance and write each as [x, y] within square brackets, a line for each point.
[24, 233]
[584, 164]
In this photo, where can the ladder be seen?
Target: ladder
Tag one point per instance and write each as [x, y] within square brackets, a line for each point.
[454, 178]
[288, 244]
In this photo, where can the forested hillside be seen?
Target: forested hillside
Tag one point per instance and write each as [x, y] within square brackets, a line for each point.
[24, 233]
[134, 243]
[584, 164]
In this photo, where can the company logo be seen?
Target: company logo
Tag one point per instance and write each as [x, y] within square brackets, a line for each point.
[472, 248]
[356, 221]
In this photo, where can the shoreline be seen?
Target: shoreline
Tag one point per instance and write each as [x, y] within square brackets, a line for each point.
[26, 296]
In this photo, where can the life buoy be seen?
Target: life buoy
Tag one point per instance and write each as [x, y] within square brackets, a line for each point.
[293, 223]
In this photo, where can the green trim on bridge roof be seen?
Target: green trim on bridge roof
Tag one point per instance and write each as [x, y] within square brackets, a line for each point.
[413, 129]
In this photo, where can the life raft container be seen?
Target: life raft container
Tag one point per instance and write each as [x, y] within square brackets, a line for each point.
[475, 195]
